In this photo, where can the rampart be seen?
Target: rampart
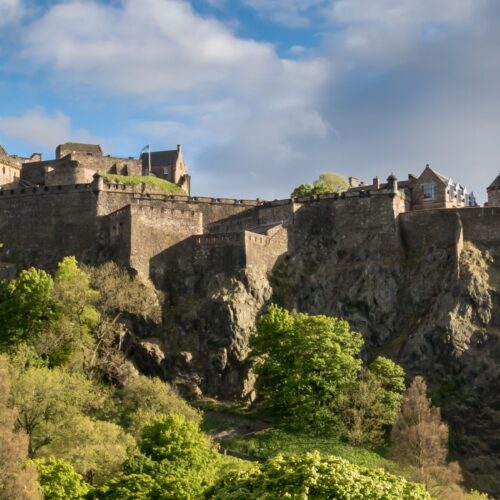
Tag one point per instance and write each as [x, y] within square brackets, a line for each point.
[424, 230]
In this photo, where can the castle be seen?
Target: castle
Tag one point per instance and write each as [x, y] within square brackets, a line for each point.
[71, 205]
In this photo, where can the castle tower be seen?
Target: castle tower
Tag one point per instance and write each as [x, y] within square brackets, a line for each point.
[494, 193]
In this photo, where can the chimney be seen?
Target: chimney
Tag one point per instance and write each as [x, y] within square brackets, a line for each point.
[354, 182]
[376, 182]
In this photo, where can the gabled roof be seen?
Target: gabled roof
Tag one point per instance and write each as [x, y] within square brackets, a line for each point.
[3, 152]
[495, 183]
[161, 158]
[81, 148]
[441, 177]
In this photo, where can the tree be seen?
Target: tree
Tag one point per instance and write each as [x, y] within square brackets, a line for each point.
[327, 182]
[316, 477]
[122, 299]
[46, 400]
[59, 481]
[17, 477]
[374, 403]
[183, 461]
[26, 307]
[143, 399]
[95, 448]
[331, 182]
[420, 438]
[306, 366]
[392, 379]
[364, 413]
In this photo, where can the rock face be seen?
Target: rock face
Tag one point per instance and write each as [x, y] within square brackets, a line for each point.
[422, 288]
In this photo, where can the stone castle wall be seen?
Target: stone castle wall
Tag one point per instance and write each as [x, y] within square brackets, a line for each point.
[137, 226]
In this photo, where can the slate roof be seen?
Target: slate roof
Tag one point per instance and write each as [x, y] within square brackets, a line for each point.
[160, 158]
[495, 183]
[81, 148]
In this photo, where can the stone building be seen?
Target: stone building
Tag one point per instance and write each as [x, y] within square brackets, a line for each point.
[77, 163]
[494, 193]
[429, 190]
[168, 165]
[10, 169]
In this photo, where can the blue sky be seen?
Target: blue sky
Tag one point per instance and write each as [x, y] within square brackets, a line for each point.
[262, 94]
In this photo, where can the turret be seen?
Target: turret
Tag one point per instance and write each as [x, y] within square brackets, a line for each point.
[494, 193]
[392, 183]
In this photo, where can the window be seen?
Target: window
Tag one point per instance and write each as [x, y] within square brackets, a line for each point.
[429, 191]
[165, 170]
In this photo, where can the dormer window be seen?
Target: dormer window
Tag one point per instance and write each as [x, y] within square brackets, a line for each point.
[429, 191]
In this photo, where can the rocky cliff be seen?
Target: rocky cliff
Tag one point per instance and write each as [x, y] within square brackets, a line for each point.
[434, 308]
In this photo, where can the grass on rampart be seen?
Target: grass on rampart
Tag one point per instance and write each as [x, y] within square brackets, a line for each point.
[164, 185]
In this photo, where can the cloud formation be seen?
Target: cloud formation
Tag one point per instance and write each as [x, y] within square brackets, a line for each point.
[393, 84]
[39, 129]
[10, 11]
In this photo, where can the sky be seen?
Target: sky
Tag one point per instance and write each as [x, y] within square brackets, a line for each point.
[263, 95]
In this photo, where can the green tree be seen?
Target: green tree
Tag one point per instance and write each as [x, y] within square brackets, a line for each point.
[95, 448]
[59, 481]
[331, 182]
[128, 487]
[143, 399]
[374, 403]
[327, 182]
[306, 365]
[26, 307]
[312, 476]
[392, 379]
[182, 460]
[46, 400]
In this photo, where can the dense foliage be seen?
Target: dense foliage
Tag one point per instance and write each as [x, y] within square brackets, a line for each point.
[327, 182]
[310, 372]
[312, 476]
[59, 481]
[307, 365]
[77, 421]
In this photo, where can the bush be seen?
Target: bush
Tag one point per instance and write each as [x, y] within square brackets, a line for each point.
[59, 481]
[312, 476]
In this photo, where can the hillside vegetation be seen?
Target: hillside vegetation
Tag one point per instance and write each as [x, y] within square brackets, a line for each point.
[78, 422]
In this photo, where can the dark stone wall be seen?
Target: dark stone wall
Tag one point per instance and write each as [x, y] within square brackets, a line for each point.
[39, 226]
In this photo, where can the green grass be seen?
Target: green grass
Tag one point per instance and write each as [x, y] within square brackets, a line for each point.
[164, 185]
[269, 443]
[228, 407]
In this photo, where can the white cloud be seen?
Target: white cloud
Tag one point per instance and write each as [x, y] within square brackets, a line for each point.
[39, 129]
[395, 85]
[10, 10]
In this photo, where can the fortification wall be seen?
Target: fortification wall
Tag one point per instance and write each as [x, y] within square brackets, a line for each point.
[219, 252]
[436, 228]
[108, 164]
[39, 226]
[155, 229]
[264, 251]
[115, 196]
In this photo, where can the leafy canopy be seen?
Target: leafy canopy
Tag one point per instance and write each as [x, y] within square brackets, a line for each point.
[327, 182]
[306, 365]
[313, 476]
[59, 481]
